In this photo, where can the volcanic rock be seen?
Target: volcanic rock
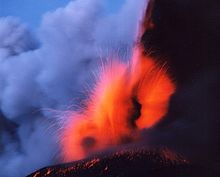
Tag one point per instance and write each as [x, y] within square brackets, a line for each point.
[128, 163]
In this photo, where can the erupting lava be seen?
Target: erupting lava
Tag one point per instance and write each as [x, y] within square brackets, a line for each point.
[127, 98]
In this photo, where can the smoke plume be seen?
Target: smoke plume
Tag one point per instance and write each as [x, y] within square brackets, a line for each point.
[48, 70]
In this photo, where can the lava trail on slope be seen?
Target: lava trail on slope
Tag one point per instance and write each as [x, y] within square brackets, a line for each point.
[128, 163]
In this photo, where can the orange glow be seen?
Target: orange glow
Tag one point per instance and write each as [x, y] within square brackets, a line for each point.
[153, 89]
[126, 99]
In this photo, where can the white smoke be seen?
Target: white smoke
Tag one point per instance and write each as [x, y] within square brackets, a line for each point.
[51, 73]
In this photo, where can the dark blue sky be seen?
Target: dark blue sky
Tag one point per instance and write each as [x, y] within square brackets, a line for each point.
[31, 11]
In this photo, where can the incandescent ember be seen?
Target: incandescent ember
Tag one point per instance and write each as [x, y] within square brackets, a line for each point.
[128, 163]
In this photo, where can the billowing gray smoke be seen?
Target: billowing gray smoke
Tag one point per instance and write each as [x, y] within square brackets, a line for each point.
[48, 72]
[15, 38]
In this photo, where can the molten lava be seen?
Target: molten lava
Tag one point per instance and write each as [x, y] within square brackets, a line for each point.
[127, 98]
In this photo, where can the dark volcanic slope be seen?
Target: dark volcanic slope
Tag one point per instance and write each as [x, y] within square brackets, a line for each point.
[127, 163]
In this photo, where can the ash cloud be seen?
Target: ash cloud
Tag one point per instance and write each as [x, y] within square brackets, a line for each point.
[48, 72]
[187, 33]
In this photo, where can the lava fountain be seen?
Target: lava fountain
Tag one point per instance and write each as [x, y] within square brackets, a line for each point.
[127, 97]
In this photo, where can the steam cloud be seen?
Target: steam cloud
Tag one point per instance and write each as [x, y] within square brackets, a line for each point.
[49, 72]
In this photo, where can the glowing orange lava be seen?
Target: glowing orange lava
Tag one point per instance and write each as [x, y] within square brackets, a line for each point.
[127, 98]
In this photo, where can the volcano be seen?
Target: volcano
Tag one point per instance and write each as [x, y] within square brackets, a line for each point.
[138, 162]
[182, 128]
